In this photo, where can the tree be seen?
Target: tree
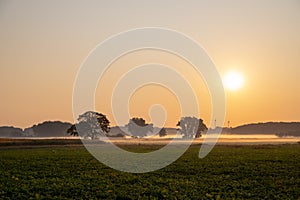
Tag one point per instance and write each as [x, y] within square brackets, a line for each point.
[72, 130]
[191, 127]
[162, 132]
[138, 127]
[48, 129]
[90, 124]
[201, 129]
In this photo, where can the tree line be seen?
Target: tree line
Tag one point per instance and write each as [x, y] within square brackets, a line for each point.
[93, 124]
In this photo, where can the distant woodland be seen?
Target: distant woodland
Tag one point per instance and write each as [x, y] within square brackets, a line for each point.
[45, 129]
[59, 129]
[281, 129]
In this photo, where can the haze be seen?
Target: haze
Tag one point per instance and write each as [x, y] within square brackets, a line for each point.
[43, 44]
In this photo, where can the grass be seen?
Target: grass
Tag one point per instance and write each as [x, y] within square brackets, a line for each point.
[228, 172]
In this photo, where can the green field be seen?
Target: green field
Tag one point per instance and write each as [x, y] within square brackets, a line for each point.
[228, 172]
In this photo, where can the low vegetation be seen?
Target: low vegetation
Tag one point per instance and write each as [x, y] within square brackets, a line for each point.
[228, 172]
[7, 142]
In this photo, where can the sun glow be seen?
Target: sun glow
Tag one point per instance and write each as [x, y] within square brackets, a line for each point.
[233, 80]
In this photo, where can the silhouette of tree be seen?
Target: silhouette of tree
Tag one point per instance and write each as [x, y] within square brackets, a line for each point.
[201, 129]
[191, 127]
[162, 132]
[6, 131]
[90, 124]
[72, 130]
[138, 127]
[48, 129]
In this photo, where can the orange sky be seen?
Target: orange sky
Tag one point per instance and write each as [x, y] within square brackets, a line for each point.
[44, 43]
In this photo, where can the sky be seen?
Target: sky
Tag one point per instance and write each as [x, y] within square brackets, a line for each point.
[44, 43]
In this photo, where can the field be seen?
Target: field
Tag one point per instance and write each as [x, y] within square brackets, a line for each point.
[228, 172]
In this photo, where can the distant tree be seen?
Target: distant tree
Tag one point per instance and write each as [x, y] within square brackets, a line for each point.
[201, 129]
[138, 127]
[162, 132]
[72, 130]
[6, 131]
[191, 127]
[90, 124]
[48, 129]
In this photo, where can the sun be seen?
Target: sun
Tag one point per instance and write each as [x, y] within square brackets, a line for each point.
[233, 80]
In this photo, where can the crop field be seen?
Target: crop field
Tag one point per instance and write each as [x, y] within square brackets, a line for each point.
[228, 172]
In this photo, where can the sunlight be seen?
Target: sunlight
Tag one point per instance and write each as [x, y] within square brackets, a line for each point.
[233, 80]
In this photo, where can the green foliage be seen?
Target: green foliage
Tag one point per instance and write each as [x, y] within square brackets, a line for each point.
[228, 172]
